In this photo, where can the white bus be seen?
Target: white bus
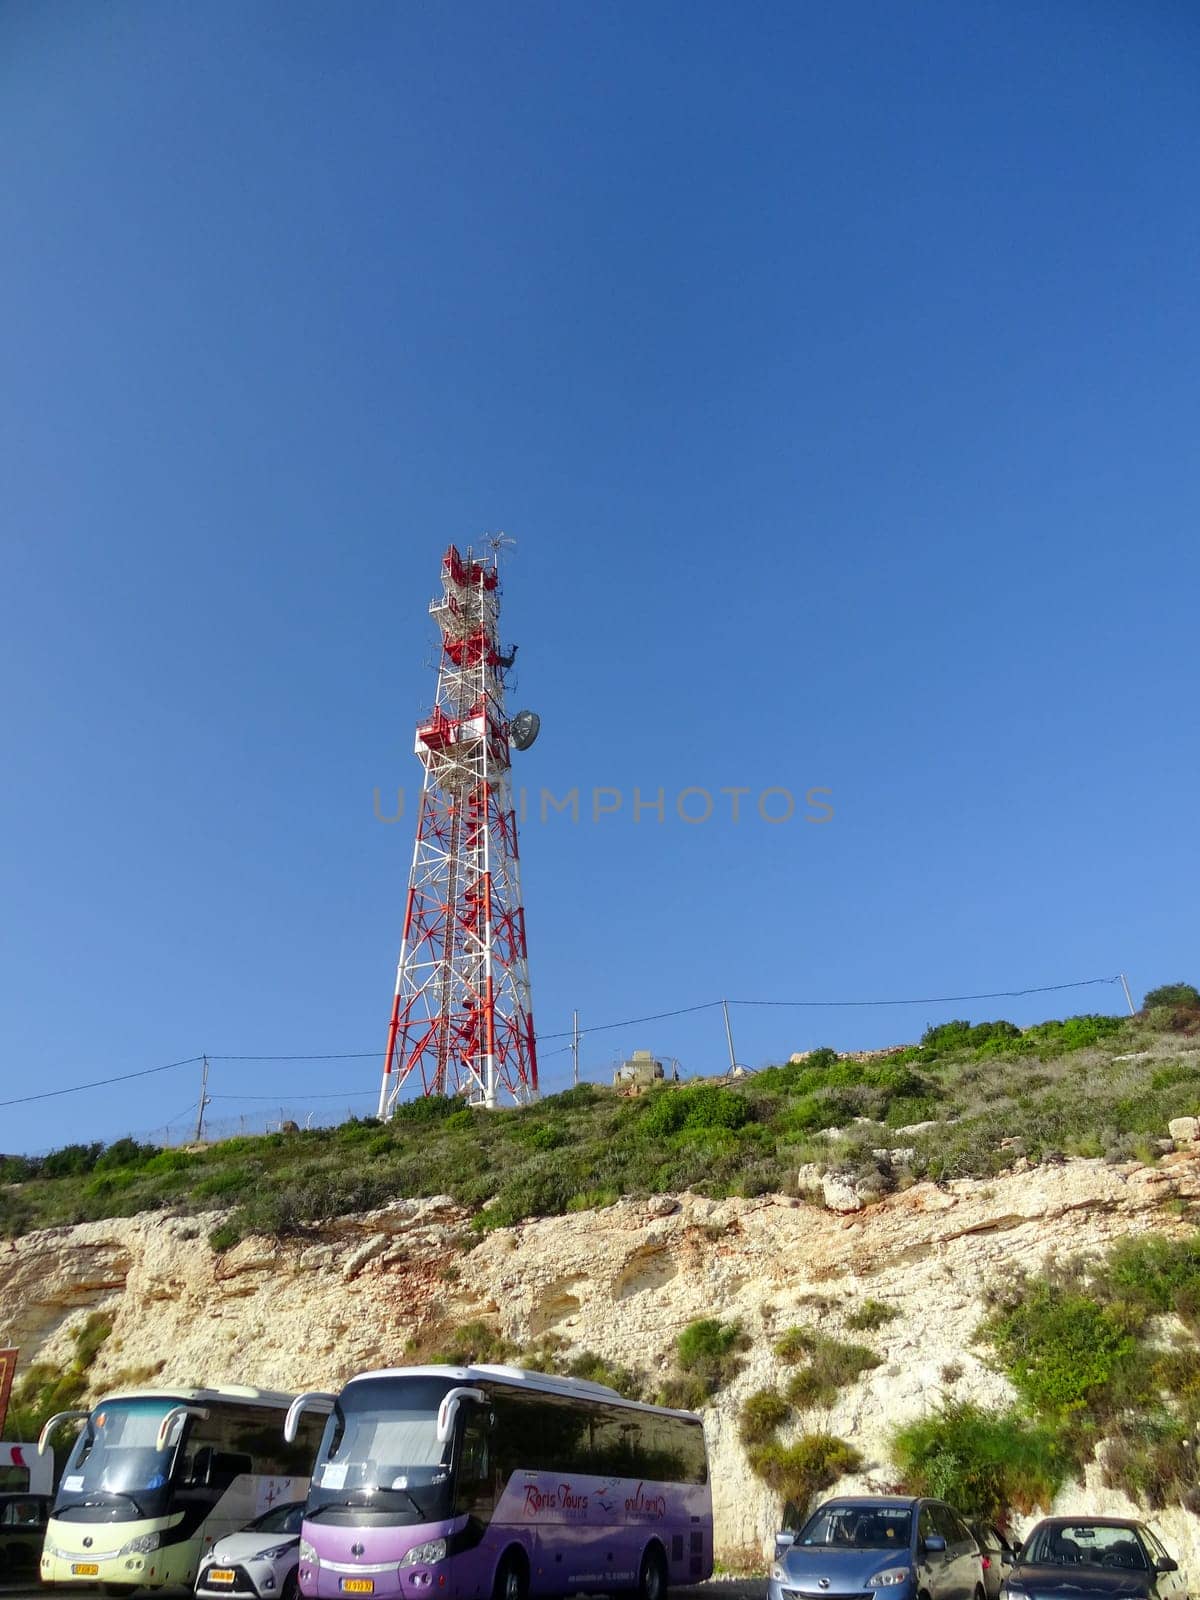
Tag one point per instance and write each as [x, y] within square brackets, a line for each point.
[23, 1470]
[157, 1476]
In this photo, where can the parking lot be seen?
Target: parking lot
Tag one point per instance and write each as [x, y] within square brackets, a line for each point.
[716, 1589]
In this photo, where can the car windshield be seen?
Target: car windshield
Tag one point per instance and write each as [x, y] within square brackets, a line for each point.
[1084, 1544]
[859, 1527]
[280, 1519]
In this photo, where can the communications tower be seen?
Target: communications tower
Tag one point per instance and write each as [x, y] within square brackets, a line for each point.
[462, 1017]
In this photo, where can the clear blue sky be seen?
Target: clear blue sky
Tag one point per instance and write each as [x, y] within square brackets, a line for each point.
[836, 369]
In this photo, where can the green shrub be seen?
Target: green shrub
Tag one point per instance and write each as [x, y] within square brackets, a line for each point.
[1155, 1274]
[870, 1315]
[762, 1414]
[831, 1366]
[223, 1183]
[1152, 1459]
[224, 1235]
[683, 1391]
[796, 1344]
[426, 1108]
[697, 1105]
[1172, 994]
[1064, 1353]
[799, 1471]
[990, 1463]
[125, 1153]
[71, 1160]
[597, 1369]
[708, 1351]
[45, 1389]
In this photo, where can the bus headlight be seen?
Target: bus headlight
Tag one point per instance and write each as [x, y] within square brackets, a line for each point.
[433, 1550]
[141, 1546]
[308, 1554]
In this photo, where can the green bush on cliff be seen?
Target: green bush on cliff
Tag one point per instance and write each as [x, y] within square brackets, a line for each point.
[990, 1463]
[801, 1470]
[45, 1389]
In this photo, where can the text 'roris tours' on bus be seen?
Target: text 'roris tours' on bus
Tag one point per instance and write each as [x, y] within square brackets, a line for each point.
[490, 1481]
[156, 1477]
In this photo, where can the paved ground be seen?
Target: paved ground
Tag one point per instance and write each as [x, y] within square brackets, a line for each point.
[719, 1589]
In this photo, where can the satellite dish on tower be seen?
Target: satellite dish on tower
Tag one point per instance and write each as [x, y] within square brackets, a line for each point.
[523, 729]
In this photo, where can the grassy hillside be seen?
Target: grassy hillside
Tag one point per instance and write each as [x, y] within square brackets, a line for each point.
[1089, 1085]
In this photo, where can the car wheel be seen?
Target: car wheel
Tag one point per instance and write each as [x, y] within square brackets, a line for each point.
[512, 1578]
[652, 1580]
[291, 1585]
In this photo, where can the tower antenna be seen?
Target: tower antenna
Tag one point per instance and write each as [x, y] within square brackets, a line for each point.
[462, 1016]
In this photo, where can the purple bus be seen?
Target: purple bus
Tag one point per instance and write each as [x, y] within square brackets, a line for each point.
[491, 1483]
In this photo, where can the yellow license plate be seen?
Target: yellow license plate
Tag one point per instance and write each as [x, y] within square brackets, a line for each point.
[84, 1569]
[358, 1585]
[220, 1575]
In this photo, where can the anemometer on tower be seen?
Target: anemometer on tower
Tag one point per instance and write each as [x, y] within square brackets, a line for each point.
[462, 1016]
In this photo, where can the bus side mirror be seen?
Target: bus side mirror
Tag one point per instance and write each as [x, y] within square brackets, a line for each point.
[60, 1416]
[448, 1409]
[314, 1400]
[168, 1428]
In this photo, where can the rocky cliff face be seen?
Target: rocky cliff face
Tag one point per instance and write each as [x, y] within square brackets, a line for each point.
[306, 1313]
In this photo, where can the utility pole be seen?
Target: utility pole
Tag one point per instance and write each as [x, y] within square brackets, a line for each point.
[729, 1035]
[575, 1045]
[1128, 996]
[203, 1102]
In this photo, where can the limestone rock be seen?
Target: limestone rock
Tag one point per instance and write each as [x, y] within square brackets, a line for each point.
[622, 1282]
[1184, 1130]
[840, 1194]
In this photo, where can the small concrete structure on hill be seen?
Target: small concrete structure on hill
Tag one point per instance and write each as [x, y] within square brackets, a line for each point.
[641, 1072]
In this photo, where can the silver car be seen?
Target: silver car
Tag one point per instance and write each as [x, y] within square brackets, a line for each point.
[259, 1563]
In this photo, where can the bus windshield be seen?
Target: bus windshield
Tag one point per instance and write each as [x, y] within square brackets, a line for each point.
[116, 1463]
[380, 1451]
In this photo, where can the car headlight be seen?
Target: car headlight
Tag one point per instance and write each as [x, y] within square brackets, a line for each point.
[888, 1577]
[276, 1551]
[307, 1553]
[141, 1546]
[432, 1550]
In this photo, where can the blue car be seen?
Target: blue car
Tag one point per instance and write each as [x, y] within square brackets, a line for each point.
[891, 1546]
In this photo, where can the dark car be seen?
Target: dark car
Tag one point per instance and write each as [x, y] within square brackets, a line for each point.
[891, 1545]
[23, 1519]
[1093, 1558]
[998, 1555]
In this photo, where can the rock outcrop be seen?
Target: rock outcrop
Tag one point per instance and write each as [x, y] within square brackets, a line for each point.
[307, 1312]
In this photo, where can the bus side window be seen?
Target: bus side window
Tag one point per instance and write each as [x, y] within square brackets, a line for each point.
[475, 1488]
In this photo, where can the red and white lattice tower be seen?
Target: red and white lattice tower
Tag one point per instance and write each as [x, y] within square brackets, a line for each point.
[462, 1018]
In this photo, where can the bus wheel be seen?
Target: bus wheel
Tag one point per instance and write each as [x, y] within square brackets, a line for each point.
[652, 1582]
[116, 1590]
[512, 1580]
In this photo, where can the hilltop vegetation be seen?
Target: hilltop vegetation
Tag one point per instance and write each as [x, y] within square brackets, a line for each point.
[1090, 1085]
